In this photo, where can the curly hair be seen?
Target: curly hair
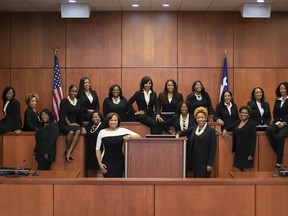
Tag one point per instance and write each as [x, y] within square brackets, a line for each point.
[30, 96]
[201, 110]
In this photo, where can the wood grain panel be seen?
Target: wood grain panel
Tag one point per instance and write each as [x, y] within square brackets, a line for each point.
[225, 156]
[101, 80]
[5, 37]
[33, 35]
[110, 200]
[26, 200]
[271, 200]
[205, 200]
[35, 80]
[261, 42]
[131, 78]
[210, 77]
[4, 81]
[149, 39]
[245, 79]
[94, 42]
[203, 37]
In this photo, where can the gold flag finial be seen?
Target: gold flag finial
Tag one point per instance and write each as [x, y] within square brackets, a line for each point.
[55, 50]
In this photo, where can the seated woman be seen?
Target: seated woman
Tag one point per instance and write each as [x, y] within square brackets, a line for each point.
[11, 109]
[115, 102]
[112, 139]
[244, 140]
[88, 97]
[202, 139]
[261, 115]
[169, 99]
[147, 103]
[199, 97]
[31, 117]
[95, 125]
[226, 113]
[46, 138]
[278, 130]
[70, 121]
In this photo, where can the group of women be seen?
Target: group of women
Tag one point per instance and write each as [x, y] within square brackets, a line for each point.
[168, 112]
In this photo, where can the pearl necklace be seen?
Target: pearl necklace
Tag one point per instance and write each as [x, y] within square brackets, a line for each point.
[116, 101]
[198, 97]
[94, 128]
[73, 102]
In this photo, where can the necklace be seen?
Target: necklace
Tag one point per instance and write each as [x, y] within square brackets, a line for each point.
[116, 101]
[73, 102]
[198, 97]
[94, 128]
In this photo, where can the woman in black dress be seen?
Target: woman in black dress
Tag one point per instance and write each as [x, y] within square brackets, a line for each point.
[147, 103]
[46, 138]
[115, 102]
[70, 120]
[169, 99]
[199, 97]
[88, 97]
[202, 139]
[111, 162]
[278, 130]
[244, 140]
[261, 115]
[226, 113]
[11, 109]
[93, 128]
[31, 117]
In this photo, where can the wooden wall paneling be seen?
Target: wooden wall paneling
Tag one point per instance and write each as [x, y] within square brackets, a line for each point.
[203, 37]
[131, 78]
[101, 80]
[210, 77]
[26, 200]
[149, 39]
[94, 42]
[33, 35]
[104, 199]
[271, 200]
[4, 81]
[217, 200]
[5, 38]
[245, 79]
[35, 80]
[261, 42]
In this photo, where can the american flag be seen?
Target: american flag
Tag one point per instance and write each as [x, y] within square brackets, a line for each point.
[57, 89]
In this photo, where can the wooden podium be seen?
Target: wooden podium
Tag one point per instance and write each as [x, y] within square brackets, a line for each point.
[155, 158]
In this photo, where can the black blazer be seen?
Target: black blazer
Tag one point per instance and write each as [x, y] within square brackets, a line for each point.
[206, 149]
[175, 122]
[165, 106]
[255, 117]
[280, 114]
[12, 119]
[139, 98]
[223, 114]
[31, 120]
[86, 104]
[205, 102]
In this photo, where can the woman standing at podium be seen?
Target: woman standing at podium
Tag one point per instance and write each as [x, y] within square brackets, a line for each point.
[112, 162]
[202, 139]
[46, 138]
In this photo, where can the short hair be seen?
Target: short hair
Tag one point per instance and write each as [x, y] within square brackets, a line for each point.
[29, 96]
[179, 105]
[109, 117]
[99, 114]
[111, 91]
[253, 94]
[194, 84]
[200, 110]
[278, 94]
[248, 108]
[6, 90]
[49, 113]
[145, 80]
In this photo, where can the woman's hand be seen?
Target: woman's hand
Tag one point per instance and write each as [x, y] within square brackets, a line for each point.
[209, 168]
[83, 131]
[103, 168]
[220, 121]
[224, 134]
[17, 131]
[74, 124]
[250, 158]
[140, 112]
[159, 118]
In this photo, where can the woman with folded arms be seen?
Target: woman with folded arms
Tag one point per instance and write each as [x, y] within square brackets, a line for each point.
[278, 130]
[31, 117]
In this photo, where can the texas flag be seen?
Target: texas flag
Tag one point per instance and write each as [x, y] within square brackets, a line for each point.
[224, 80]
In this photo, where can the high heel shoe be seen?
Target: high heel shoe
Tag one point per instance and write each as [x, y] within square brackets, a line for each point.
[67, 158]
[278, 166]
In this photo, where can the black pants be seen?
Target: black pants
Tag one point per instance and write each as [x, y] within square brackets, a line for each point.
[155, 127]
[44, 165]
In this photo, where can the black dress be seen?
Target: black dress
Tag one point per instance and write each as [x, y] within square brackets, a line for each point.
[244, 143]
[91, 137]
[113, 157]
[72, 113]
[122, 109]
[31, 120]
[205, 102]
[46, 138]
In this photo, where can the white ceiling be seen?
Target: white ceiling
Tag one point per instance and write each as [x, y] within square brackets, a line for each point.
[145, 5]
